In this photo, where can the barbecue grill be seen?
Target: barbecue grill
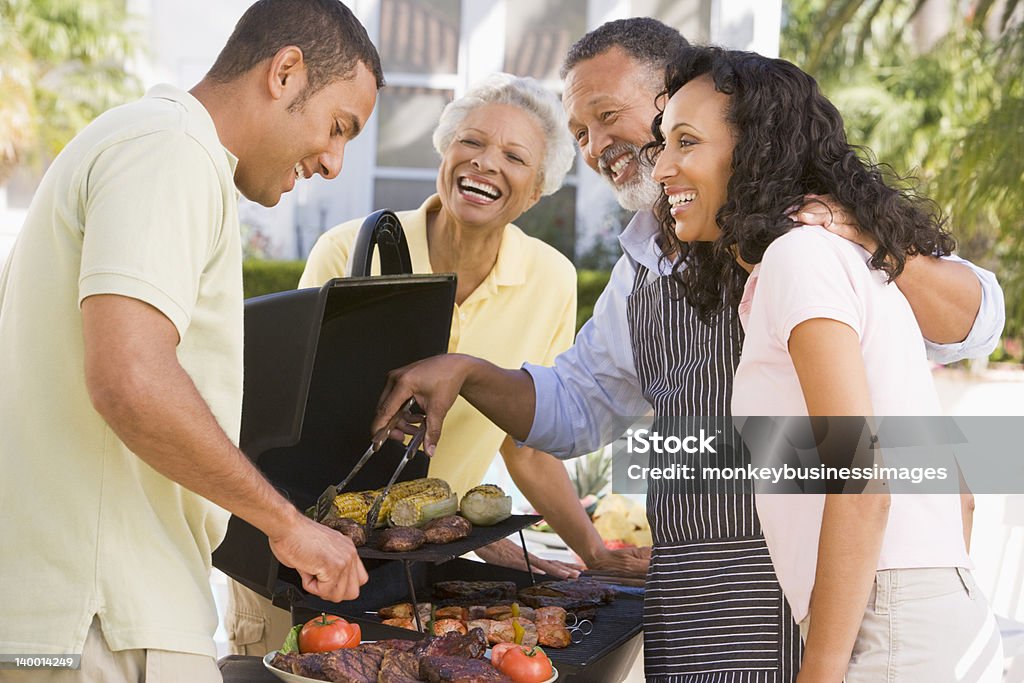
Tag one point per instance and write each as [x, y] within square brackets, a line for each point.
[315, 364]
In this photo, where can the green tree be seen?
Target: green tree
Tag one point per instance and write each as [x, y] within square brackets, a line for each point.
[62, 62]
[949, 111]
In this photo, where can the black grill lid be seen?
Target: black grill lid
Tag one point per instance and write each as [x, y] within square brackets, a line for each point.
[316, 361]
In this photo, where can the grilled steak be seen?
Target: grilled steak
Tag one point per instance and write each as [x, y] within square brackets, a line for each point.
[583, 609]
[579, 589]
[580, 597]
[311, 665]
[453, 644]
[475, 591]
[447, 529]
[399, 667]
[450, 669]
[359, 664]
[284, 661]
[397, 644]
[402, 539]
[351, 528]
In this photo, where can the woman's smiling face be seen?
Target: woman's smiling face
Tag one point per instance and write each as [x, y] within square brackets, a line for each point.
[696, 163]
[490, 172]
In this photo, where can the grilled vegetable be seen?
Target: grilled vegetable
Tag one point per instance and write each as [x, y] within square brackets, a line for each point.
[419, 509]
[353, 505]
[437, 488]
[486, 505]
[356, 504]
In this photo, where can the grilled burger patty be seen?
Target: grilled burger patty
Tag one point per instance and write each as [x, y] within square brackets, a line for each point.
[351, 528]
[447, 529]
[401, 539]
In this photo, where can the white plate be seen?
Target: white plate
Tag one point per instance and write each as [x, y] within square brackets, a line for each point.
[288, 677]
[285, 676]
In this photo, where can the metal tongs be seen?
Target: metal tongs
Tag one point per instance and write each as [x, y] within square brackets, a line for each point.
[410, 451]
[326, 499]
[579, 628]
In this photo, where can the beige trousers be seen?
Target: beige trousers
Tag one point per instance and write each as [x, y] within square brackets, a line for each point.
[254, 625]
[101, 665]
[929, 624]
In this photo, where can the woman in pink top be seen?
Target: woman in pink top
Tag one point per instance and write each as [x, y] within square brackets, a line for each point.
[880, 582]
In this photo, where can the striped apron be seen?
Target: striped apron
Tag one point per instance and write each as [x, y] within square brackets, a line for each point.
[713, 609]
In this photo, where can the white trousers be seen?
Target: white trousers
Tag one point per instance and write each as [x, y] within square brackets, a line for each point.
[930, 624]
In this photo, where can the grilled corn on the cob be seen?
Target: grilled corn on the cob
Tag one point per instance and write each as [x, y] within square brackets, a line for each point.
[419, 509]
[356, 504]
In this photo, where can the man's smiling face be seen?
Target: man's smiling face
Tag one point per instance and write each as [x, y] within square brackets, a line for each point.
[610, 102]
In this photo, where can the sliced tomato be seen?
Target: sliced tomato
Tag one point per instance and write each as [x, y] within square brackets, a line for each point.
[498, 651]
[526, 665]
[328, 632]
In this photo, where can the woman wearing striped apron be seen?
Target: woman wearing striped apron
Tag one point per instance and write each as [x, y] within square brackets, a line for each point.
[713, 609]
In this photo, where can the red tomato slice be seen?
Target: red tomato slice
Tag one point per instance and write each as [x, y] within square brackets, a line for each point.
[328, 632]
[498, 652]
[526, 665]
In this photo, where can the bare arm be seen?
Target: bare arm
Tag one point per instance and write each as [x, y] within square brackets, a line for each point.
[137, 384]
[506, 397]
[945, 295]
[545, 482]
[827, 358]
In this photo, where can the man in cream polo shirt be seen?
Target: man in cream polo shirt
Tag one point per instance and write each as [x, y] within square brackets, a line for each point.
[121, 354]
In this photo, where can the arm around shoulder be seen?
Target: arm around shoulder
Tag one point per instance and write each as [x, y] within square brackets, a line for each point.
[959, 306]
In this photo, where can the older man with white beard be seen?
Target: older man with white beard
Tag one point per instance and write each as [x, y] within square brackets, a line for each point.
[713, 608]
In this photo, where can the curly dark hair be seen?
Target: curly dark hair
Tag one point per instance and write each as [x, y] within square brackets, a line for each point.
[790, 142]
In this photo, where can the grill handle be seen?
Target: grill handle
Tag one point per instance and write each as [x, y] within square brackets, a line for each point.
[381, 231]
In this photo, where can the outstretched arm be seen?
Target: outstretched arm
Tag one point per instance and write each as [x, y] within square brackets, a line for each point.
[545, 482]
[137, 385]
[506, 397]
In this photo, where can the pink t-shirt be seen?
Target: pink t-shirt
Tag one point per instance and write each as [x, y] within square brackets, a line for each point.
[811, 273]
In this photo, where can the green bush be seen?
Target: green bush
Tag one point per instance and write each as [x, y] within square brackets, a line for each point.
[265, 277]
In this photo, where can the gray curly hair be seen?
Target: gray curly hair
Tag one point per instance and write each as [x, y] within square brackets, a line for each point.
[530, 96]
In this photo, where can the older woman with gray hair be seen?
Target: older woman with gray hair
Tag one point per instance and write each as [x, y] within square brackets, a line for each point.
[503, 145]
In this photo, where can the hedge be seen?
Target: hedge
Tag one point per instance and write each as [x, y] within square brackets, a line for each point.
[264, 277]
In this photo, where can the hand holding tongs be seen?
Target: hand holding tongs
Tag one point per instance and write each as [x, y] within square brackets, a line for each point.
[326, 499]
[410, 451]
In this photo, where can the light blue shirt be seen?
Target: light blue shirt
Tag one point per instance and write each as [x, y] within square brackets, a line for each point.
[581, 401]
